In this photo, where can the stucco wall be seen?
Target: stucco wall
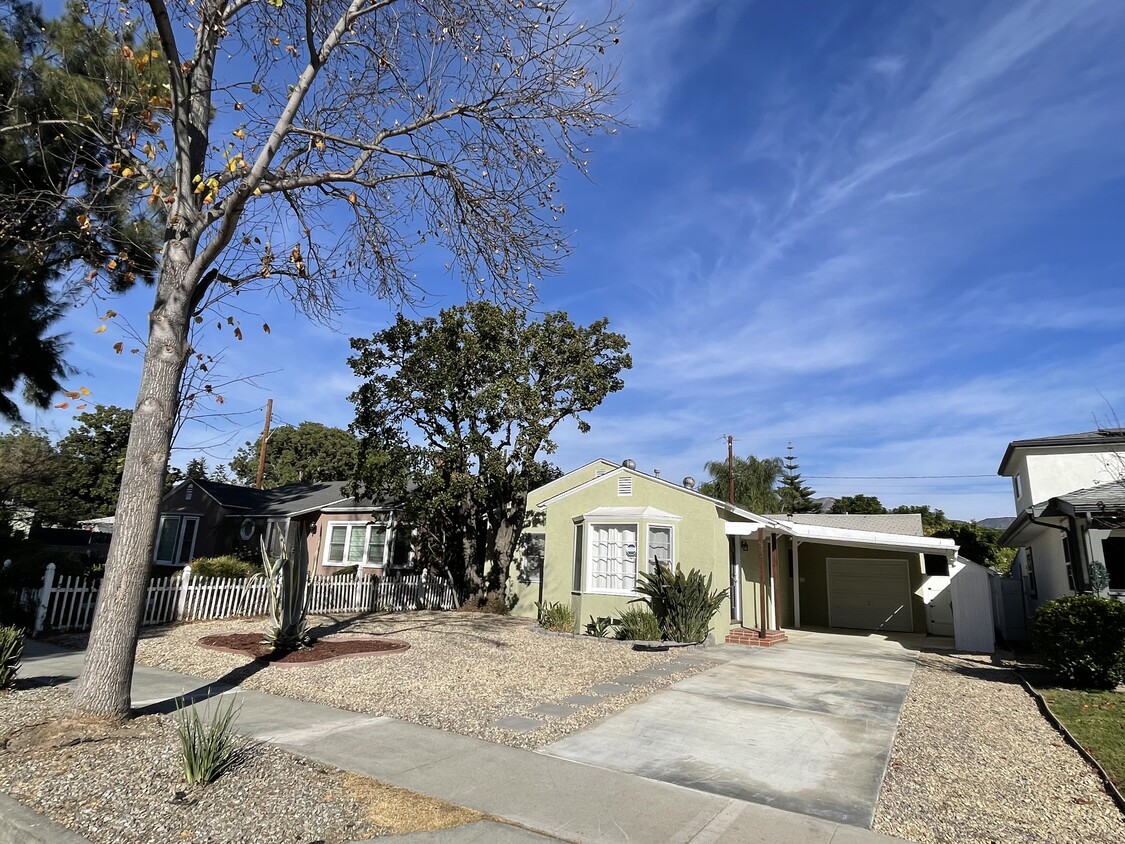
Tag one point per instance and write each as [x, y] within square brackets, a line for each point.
[1048, 475]
[699, 541]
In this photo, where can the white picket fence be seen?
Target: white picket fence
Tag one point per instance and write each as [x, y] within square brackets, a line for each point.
[68, 605]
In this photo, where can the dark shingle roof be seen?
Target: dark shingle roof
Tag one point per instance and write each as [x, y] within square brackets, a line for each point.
[1096, 499]
[1101, 437]
[285, 500]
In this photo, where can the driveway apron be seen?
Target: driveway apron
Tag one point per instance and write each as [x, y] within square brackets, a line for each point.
[806, 726]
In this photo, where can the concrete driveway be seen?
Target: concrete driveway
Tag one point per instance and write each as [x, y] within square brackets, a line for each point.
[806, 726]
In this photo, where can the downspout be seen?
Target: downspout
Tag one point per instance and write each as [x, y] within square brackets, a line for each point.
[1070, 536]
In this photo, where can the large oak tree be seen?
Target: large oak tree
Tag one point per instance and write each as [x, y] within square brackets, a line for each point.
[314, 144]
[455, 415]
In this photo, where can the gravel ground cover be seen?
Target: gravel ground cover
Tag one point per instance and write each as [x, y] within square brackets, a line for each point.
[127, 786]
[975, 761]
[461, 673]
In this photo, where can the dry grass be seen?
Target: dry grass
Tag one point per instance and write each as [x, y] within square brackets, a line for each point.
[400, 811]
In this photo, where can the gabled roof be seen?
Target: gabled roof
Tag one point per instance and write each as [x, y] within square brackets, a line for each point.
[290, 500]
[622, 470]
[1103, 437]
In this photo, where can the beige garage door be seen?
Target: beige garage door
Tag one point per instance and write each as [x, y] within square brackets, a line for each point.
[869, 594]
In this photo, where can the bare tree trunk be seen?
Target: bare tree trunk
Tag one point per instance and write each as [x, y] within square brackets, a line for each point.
[104, 688]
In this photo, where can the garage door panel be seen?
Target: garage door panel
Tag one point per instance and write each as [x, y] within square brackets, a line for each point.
[869, 594]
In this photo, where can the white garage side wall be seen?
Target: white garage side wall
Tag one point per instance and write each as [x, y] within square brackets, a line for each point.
[973, 624]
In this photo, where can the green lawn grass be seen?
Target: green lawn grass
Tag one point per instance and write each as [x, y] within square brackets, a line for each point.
[1097, 721]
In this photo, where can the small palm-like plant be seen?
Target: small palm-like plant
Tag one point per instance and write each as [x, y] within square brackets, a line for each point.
[11, 652]
[556, 617]
[208, 747]
[683, 604]
[287, 577]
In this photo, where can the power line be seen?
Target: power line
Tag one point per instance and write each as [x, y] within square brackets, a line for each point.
[892, 477]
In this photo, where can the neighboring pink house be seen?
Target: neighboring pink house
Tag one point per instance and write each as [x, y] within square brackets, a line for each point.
[201, 518]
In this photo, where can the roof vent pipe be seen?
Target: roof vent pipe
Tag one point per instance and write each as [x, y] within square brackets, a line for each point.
[689, 482]
[656, 473]
[630, 464]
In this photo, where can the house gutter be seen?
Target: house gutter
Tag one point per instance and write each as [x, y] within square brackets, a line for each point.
[1070, 536]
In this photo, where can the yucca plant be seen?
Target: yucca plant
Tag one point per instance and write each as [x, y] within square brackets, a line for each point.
[11, 652]
[287, 577]
[209, 747]
[683, 604]
[599, 627]
[557, 617]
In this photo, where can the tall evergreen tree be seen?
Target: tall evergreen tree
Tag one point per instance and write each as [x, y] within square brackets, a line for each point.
[196, 468]
[66, 92]
[795, 496]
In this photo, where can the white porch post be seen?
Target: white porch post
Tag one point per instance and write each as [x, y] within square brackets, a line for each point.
[796, 582]
[44, 599]
[181, 597]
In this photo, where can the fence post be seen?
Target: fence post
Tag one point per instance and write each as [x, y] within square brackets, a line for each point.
[181, 597]
[44, 599]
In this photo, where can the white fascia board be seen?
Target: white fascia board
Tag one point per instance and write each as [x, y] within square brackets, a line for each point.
[846, 536]
[747, 528]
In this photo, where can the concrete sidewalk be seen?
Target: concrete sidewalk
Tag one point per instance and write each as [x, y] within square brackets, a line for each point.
[543, 797]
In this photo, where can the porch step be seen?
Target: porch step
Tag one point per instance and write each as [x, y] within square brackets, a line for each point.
[743, 636]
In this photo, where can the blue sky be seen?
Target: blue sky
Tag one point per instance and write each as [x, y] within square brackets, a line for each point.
[889, 233]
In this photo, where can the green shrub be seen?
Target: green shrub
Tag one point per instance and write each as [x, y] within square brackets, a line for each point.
[557, 617]
[227, 565]
[208, 747]
[11, 652]
[683, 604]
[638, 624]
[1081, 638]
[599, 627]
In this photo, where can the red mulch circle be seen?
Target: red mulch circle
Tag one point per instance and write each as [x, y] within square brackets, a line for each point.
[321, 650]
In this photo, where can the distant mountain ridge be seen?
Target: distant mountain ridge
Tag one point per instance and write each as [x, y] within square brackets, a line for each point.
[997, 522]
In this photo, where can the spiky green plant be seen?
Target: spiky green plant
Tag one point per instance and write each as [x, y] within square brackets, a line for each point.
[287, 577]
[11, 652]
[683, 604]
[638, 624]
[209, 747]
[557, 617]
[599, 627]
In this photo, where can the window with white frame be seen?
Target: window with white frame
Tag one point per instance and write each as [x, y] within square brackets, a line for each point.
[612, 558]
[659, 545]
[175, 541]
[356, 544]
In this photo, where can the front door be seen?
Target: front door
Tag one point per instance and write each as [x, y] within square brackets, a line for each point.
[938, 595]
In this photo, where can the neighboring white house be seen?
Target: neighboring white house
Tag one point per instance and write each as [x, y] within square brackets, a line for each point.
[1070, 512]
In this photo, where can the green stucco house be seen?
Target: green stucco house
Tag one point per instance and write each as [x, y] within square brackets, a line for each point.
[591, 531]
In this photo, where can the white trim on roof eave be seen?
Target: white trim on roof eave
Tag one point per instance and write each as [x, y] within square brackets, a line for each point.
[848, 536]
[610, 463]
[730, 508]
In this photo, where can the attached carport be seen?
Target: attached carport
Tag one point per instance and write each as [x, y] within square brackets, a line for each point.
[832, 577]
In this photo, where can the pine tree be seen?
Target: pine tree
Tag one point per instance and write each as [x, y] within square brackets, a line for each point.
[197, 468]
[795, 496]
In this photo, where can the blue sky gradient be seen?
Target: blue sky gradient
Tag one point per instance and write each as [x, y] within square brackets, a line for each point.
[889, 233]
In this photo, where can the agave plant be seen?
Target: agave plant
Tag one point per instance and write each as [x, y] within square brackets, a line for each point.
[684, 605]
[287, 576]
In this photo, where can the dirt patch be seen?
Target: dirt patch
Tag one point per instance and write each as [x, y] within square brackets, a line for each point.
[321, 650]
[401, 812]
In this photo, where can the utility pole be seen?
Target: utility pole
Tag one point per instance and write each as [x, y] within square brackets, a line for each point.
[262, 450]
[730, 468]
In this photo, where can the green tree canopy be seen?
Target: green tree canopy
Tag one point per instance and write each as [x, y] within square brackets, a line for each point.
[453, 413]
[754, 482]
[92, 455]
[29, 469]
[68, 87]
[196, 469]
[795, 496]
[858, 504]
[309, 452]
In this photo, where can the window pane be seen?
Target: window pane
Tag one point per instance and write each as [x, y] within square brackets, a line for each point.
[166, 545]
[336, 544]
[375, 543]
[659, 546]
[184, 553]
[613, 558]
[356, 537]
